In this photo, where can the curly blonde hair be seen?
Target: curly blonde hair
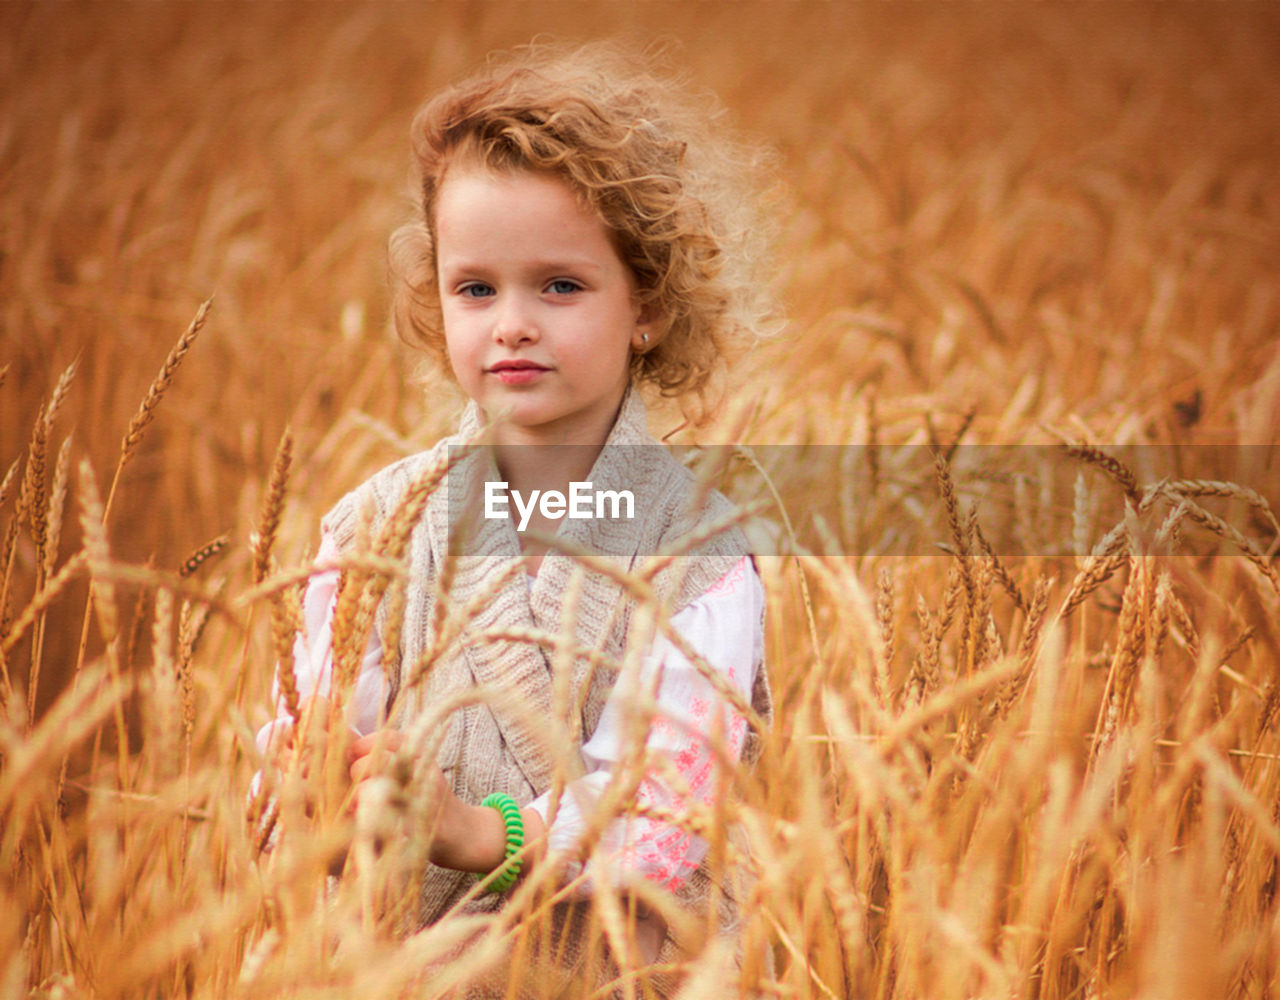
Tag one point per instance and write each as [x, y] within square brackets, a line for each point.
[678, 194]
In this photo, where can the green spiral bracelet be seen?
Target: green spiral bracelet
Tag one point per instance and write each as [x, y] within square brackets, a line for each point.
[510, 870]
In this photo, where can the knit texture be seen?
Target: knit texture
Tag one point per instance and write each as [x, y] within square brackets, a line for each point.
[509, 742]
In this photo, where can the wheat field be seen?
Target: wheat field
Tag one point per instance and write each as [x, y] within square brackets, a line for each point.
[1026, 741]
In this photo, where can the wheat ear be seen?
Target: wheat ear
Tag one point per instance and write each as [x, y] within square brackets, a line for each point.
[7, 551]
[272, 505]
[1220, 527]
[7, 483]
[1002, 575]
[57, 505]
[191, 622]
[164, 721]
[37, 508]
[34, 487]
[144, 416]
[96, 549]
[1097, 571]
[37, 512]
[884, 619]
[1218, 488]
[957, 525]
[1034, 623]
[155, 392]
[286, 619]
[1112, 466]
[191, 565]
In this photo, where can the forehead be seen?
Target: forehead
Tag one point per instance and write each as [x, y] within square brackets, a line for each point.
[469, 187]
[504, 213]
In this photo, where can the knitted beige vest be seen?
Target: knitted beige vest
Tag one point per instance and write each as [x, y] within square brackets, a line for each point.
[496, 746]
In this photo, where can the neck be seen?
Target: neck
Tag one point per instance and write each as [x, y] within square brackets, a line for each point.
[545, 466]
[540, 459]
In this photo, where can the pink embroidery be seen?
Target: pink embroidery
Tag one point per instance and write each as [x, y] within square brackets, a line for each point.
[687, 758]
[663, 728]
[728, 583]
[699, 782]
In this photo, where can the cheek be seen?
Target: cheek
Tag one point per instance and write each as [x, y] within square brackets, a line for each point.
[456, 348]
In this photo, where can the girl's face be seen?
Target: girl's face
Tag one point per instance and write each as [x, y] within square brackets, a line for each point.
[540, 312]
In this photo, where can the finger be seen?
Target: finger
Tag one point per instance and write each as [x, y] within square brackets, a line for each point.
[361, 747]
[387, 740]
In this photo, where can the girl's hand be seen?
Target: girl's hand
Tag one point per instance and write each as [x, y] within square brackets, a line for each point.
[368, 757]
[467, 838]
[376, 797]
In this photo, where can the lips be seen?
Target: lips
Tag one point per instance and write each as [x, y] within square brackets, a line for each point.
[517, 372]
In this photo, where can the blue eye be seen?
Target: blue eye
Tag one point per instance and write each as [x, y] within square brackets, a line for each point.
[476, 290]
[564, 286]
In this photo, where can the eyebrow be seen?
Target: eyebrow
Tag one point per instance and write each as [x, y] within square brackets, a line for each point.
[550, 265]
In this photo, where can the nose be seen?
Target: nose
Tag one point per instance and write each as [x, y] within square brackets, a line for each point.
[515, 322]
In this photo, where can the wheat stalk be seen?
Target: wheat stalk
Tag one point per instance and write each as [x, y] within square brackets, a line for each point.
[965, 423]
[97, 555]
[137, 622]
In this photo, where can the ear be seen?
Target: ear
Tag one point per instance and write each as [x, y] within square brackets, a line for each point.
[645, 334]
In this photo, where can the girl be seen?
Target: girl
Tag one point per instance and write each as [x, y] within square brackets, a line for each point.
[582, 235]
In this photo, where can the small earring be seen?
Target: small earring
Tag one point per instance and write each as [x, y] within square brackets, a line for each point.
[644, 338]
